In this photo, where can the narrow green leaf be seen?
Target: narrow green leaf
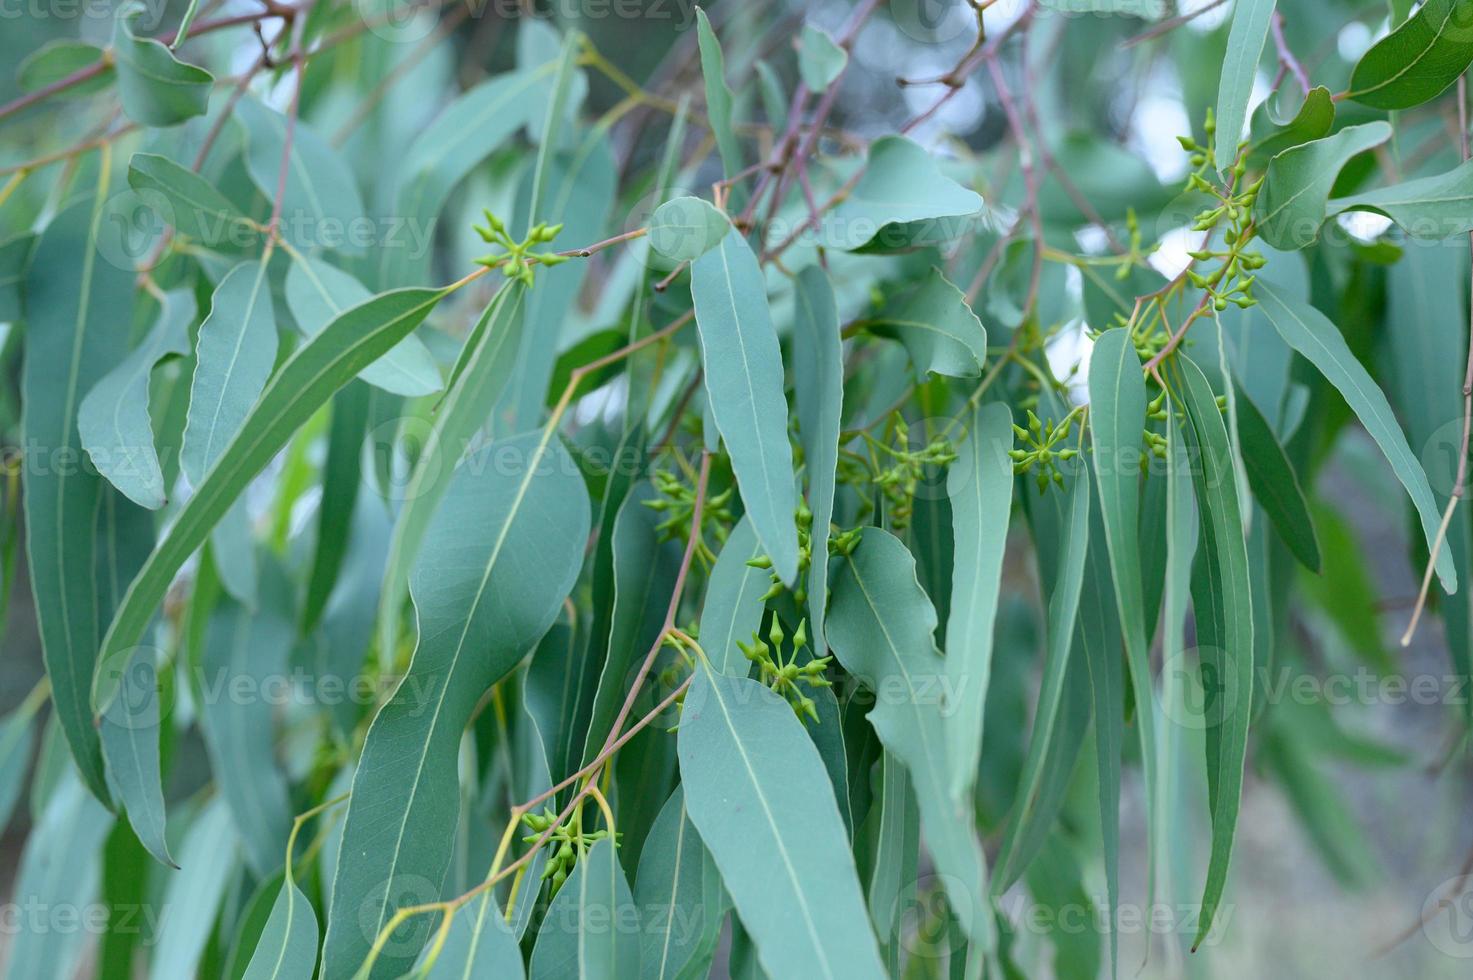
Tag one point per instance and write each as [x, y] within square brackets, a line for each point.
[1417, 61]
[818, 361]
[645, 568]
[1296, 188]
[733, 607]
[318, 293]
[247, 651]
[1117, 414]
[130, 744]
[897, 850]
[1274, 483]
[783, 855]
[236, 351]
[207, 864]
[499, 558]
[686, 228]
[1246, 37]
[1222, 603]
[59, 869]
[478, 377]
[718, 95]
[321, 207]
[937, 327]
[342, 477]
[1306, 329]
[820, 60]
[899, 197]
[1058, 728]
[744, 382]
[305, 382]
[1098, 634]
[287, 949]
[591, 929]
[72, 299]
[113, 421]
[881, 626]
[156, 88]
[979, 484]
[189, 203]
[676, 878]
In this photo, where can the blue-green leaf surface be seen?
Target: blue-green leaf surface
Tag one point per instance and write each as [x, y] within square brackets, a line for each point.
[783, 855]
[499, 558]
[744, 382]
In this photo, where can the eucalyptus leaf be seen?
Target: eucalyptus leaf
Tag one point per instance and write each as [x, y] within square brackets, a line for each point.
[1305, 329]
[881, 626]
[483, 600]
[685, 228]
[72, 341]
[901, 197]
[1246, 38]
[305, 382]
[937, 327]
[818, 359]
[317, 293]
[783, 855]
[744, 381]
[189, 203]
[592, 926]
[820, 60]
[287, 949]
[1417, 61]
[156, 88]
[980, 487]
[113, 420]
[1222, 603]
[1296, 189]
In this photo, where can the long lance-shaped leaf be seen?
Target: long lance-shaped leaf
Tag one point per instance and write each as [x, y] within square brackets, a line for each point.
[1274, 483]
[499, 558]
[130, 745]
[645, 570]
[673, 891]
[818, 363]
[1222, 603]
[1053, 716]
[478, 377]
[1117, 411]
[305, 382]
[72, 299]
[1246, 38]
[783, 855]
[744, 382]
[882, 628]
[236, 350]
[1098, 635]
[591, 931]
[980, 487]
[1306, 329]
